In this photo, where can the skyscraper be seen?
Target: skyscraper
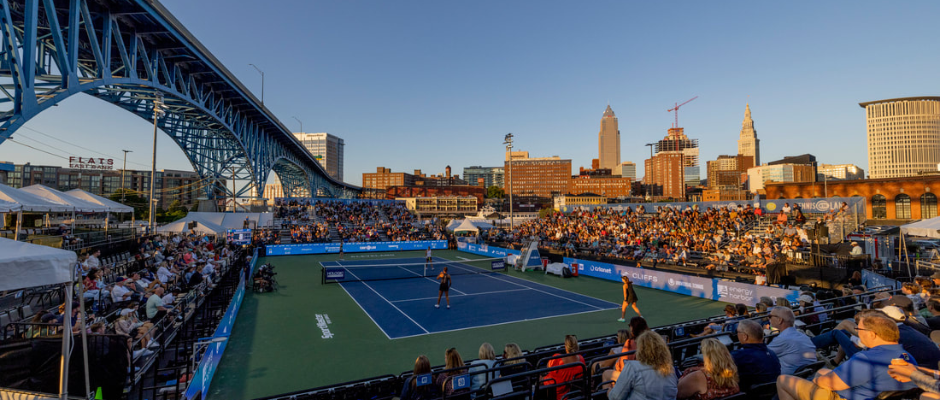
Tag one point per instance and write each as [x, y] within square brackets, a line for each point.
[677, 142]
[749, 144]
[326, 149]
[903, 136]
[608, 141]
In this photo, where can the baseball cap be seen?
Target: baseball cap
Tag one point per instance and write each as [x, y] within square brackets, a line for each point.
[901, 301]
[807, 298]
[120, 279]
[894, 312]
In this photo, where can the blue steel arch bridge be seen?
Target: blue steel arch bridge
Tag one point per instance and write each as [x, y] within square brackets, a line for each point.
[129, 53]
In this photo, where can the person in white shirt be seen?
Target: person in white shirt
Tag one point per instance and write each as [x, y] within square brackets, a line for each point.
[164, 274]
[120, 293]
[856, 249]
[92, 261]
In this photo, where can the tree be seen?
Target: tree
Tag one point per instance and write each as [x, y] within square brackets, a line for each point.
[131, 198]
[545, 212]
[495, 192]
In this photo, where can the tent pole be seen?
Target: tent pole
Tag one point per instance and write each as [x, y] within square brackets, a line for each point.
[19, 224]
[66, 338]
[107, 222]
[73, 221]
[81, 320]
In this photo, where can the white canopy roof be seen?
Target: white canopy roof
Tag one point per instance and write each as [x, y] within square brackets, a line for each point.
[113, 206]
[24, 265]
[232, 220]
[62, 198]
[927, 227]
[31, 202]
[9, 206]
[480, 223]
[182, 226]
[465, 226]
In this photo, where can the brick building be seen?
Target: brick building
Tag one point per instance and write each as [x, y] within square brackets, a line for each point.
[907, 198]
[395, 192]
[665, 175]
[605, 185]
[543, 178]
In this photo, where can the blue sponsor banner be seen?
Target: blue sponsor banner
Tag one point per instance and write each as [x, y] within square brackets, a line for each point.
[423, 380]
[486, 250]
[461, 382]
[873, 280]
[353, 247]
[814, 205]
[706, 288]
[498, 265]
[202, 376]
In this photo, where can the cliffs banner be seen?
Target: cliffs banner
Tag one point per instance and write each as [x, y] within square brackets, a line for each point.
[706, 288]
[356, 247]
[485, 250]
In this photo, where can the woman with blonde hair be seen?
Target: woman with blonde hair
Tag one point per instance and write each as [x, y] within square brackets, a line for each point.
[651, 376]
[513, 354]
[487, 358]
[716, 379]
[452, 360]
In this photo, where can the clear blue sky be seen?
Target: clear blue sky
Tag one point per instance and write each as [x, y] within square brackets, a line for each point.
[425, 84]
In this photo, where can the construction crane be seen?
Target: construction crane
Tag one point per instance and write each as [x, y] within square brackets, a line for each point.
[676, 109]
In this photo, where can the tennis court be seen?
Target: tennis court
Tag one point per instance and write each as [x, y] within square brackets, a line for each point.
[399, 296]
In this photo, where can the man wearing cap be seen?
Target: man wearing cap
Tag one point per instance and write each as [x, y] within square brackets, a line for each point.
[120, 293]
[924, 350]
[906, 305]
[856, 250]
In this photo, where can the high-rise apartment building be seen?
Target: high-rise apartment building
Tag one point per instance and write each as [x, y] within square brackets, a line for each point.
[538, 177]
[727, 177]
[608, 142]
[627, 170]
[749, 144]
[326, 149]
[848, 172]
[903, 136]
[383, 177]
[677, 142]
[484, 176]
[665, 174]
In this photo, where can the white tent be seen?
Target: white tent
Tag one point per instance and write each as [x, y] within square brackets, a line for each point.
[481, 224]
[31, 202]
[182, 226]
[113, 206]
[465, 226]
[9, 206]
[26, 265]
[78, 204]
[928, 227]
[452, 224]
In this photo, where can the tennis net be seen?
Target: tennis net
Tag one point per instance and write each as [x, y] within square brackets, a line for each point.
[407, 269]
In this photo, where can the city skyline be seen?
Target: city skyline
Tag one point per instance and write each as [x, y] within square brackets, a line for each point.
[406, 99]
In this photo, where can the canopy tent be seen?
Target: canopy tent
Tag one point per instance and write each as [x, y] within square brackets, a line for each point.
[233, 220]
[452, 224]
[928, 227]
[77, 204]
[9, 206]
[481, 224]
[31, 202]
[113, 206]
[465, 226]
[182, 226]
[25, 265]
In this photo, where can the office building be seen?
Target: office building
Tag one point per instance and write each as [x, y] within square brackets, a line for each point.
[610, 186]
[517, 155]
[627, 170]
[541, 178]
[383, 177]
[749, 144]
[727, 178]
[484, 176]
[677, 142]
[839, 172]
[903, 136]
[758, 177]
[327, 149]
[608, 142]
[461, 205]
[665, 174]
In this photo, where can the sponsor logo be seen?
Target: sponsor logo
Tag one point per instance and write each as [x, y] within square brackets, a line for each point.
[335, 274]
[601, 269]
[672, 282]
[737, 293]
[822, 205]
[771, 206]
[323, 322]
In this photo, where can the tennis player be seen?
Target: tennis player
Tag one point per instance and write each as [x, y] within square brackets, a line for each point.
[629, 298]
[444, 277]
[340, 250]
[429, 260]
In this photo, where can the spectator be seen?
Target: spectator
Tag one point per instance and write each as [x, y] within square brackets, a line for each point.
[924, 378]
[564, 375]
[906, 305]
[924, 350]
[93, 286]
[486, 361]
[155, 308]
[716, 379]
[513, 354]
[731, 319]
[119, 293]
[861, 377]
[856, 250]
[411, 391]
[651, 376]
[756, 363]
[856, 279]
[933, 305]
[638, 325]
[452, 361]
[793, 348]
[622, 336]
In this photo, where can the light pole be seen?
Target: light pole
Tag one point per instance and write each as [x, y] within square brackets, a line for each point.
[158, 111]
[262, 82]
[233, 191]
[123, 171]
[508, 142]
[649, 179]
[301, 123]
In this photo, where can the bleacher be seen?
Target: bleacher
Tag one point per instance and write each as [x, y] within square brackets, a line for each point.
[526, 380]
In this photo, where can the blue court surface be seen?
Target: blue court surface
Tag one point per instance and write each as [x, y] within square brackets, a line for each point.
[405, 307]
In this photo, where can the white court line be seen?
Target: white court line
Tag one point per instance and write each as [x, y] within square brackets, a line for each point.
[459, 295]
[542, 291]
[360, 307]
[507, 322]
[428, 278]
[383, 298]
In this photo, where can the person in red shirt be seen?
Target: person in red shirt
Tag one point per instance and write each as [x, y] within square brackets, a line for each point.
[564, 375]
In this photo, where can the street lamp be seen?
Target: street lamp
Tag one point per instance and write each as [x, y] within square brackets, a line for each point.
[159, 110]
[123, 171]
[649, 179]
[301, 123]
[508, 142]
[262, 82]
